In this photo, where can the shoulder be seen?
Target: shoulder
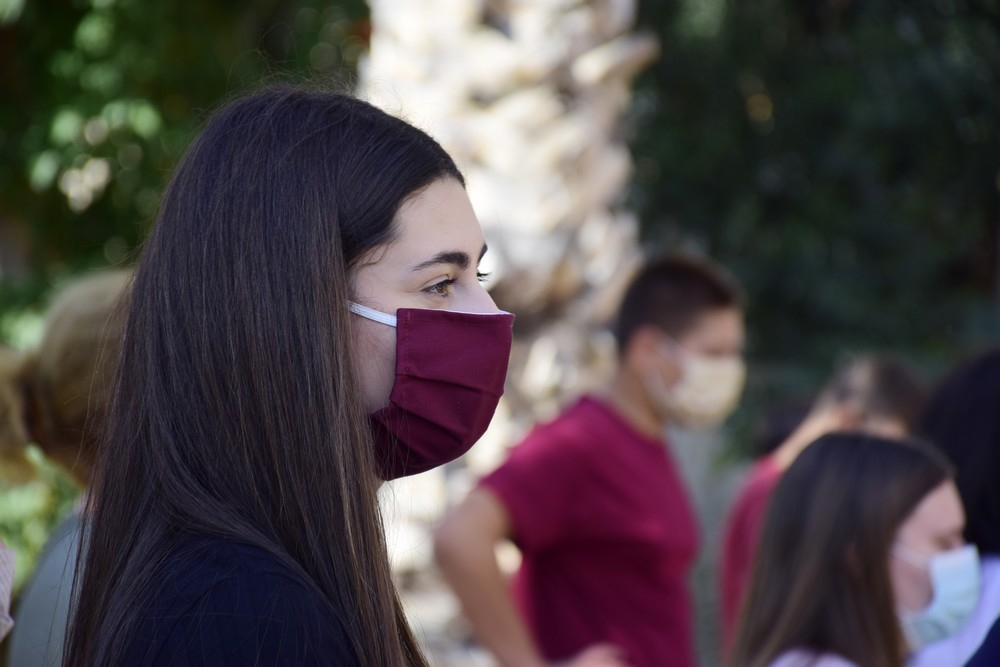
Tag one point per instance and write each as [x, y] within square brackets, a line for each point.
[758, 488]
[580, 426]
[991, 577]
[764, 475]
[537, 483]
[988, 653]
[988, 610]
[38, 634]
[807, 658]
[205, 567]
[226, 603]
[562, 441]
[562, 447]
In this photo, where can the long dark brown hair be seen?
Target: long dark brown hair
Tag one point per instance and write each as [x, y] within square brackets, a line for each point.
[820, 580]
[236, 410]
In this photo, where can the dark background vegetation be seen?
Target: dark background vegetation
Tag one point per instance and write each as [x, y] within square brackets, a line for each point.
[840, 157]
[843, 159]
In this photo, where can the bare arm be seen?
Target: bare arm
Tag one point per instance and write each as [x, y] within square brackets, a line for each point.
[464, 546]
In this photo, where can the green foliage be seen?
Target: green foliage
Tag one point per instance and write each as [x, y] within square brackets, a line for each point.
[28, 513]
[842, 159]
[101, 98]
[21, 329]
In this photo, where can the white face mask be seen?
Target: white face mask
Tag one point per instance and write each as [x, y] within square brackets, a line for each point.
[955, 583]
[708, 391]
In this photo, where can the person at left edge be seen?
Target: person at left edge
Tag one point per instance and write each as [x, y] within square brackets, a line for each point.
[306, 319]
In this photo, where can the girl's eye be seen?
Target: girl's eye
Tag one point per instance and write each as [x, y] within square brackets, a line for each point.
[482, 277]
[442, 288]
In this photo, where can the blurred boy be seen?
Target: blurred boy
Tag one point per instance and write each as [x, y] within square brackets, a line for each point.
[593, 499]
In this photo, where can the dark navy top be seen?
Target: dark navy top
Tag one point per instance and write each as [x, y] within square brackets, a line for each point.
[988, 654]
[228, 604]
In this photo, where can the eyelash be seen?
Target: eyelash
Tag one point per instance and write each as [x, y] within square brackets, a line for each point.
[441, 288]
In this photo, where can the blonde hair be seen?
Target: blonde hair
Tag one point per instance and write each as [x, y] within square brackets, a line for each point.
[14, 438]
[55, 394]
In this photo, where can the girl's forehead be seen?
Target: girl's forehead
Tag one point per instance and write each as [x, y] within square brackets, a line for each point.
[438, 220]
[939, 514]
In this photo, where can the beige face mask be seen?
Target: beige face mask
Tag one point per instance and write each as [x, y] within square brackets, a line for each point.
[707, 393]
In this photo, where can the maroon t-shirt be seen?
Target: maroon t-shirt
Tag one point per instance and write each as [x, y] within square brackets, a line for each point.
[607, 535]
[740, 540]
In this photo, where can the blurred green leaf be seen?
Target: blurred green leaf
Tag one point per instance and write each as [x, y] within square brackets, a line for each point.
[10, 10]
[100, 99]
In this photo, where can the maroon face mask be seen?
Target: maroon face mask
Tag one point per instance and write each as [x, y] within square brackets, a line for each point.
[450, 371]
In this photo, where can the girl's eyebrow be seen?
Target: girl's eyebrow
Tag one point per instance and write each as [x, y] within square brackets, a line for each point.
[455, 257]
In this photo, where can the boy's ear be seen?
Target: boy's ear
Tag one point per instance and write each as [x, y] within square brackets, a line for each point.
[643, 347]
[647, 349]
[644, 337]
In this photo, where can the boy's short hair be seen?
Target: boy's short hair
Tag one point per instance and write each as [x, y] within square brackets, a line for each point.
[672, 293]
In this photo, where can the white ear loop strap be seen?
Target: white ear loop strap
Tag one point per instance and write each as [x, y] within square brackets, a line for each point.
[372, 314]
[910, 556]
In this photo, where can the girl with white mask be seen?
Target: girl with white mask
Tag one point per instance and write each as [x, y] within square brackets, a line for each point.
[861, 561]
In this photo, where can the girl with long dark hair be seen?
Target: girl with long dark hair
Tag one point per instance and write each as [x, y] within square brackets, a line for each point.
[306, 320]
[860, 559]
